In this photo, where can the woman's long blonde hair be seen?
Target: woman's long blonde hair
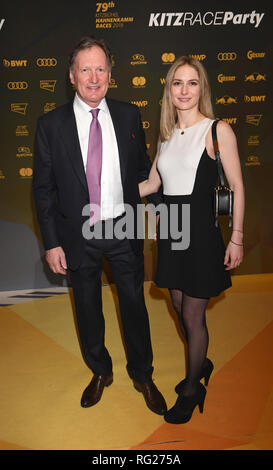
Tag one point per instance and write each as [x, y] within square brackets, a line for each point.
[168, 117]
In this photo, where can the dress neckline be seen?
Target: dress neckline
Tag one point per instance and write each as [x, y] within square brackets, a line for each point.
[186, 129]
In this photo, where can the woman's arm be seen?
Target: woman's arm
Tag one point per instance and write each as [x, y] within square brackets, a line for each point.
[232, 168]
[152, 184]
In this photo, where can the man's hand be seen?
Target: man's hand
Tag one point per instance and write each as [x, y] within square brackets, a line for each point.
[56, 260]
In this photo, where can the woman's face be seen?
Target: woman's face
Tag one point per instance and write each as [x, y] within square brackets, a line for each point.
[185, 88]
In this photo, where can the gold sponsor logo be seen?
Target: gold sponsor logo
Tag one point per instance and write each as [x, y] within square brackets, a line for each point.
[49, 107]
[199, 57]
[141, 103]
[26, 172]
[48, 85]
[252, 160]
[253, 140]
[255, 55]
[46, 62]
[17, 85]
[23, 151]
[104, 6]
[139, 82]
[253, 119]
[138, 59]
[226, 78]
[168, 57]
[255, 98]
[15, 63]
[222, 56]
[230, 120]
[145, 124]
[2, 176]
[22, 131]
[226, 100]
[255, 77]
[105, 19]
[19, 108]
[112, 83]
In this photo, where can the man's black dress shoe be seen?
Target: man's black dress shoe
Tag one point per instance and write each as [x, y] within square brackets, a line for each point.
[154, 399]
[93, 392]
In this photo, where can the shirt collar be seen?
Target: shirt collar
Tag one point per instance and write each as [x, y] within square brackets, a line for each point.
[84, 107]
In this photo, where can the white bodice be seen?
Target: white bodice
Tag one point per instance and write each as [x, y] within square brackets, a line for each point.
[179, 158]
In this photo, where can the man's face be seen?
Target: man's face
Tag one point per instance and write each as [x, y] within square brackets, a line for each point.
[90, 75]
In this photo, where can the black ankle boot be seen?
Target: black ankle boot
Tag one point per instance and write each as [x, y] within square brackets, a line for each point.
[205, 373]
[182, 411]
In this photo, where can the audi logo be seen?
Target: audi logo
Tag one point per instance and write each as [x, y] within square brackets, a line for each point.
[227, 56]
[17, 85]
[46, 62]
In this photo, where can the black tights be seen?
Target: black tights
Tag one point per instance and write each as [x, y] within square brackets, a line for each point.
[191, 312]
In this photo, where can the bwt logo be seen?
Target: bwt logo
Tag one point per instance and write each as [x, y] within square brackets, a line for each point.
[17, 85]
[227, 56]
[15, 63]
[230, 120]
[255, 99]
[168, 57]
[46, 62]
[139, 81]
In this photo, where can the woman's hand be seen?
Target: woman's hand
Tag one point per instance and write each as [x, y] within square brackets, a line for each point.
[234, 255]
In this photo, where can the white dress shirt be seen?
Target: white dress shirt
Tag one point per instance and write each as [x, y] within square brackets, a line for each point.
[112, 203]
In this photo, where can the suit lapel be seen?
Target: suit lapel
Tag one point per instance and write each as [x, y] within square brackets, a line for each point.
[118, 123]
[70, 137]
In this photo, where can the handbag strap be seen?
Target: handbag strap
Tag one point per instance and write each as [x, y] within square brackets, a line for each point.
[217, 154]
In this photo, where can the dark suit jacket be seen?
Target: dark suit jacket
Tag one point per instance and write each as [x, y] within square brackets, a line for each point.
[59, 182]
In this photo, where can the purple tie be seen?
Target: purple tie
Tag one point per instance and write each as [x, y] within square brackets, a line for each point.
[93, 166]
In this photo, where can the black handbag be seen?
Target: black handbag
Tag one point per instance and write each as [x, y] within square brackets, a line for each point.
[223, 196]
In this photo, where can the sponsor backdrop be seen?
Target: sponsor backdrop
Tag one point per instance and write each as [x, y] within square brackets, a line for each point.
[234, 42]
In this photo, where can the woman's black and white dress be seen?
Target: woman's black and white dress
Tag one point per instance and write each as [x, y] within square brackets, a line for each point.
[189, 176]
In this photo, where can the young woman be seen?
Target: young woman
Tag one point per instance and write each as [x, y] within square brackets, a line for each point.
[185, 165]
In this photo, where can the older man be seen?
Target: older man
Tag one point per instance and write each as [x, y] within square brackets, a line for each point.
[92, 150]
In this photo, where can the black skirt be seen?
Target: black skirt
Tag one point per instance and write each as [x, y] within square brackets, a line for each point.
[193, 263]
